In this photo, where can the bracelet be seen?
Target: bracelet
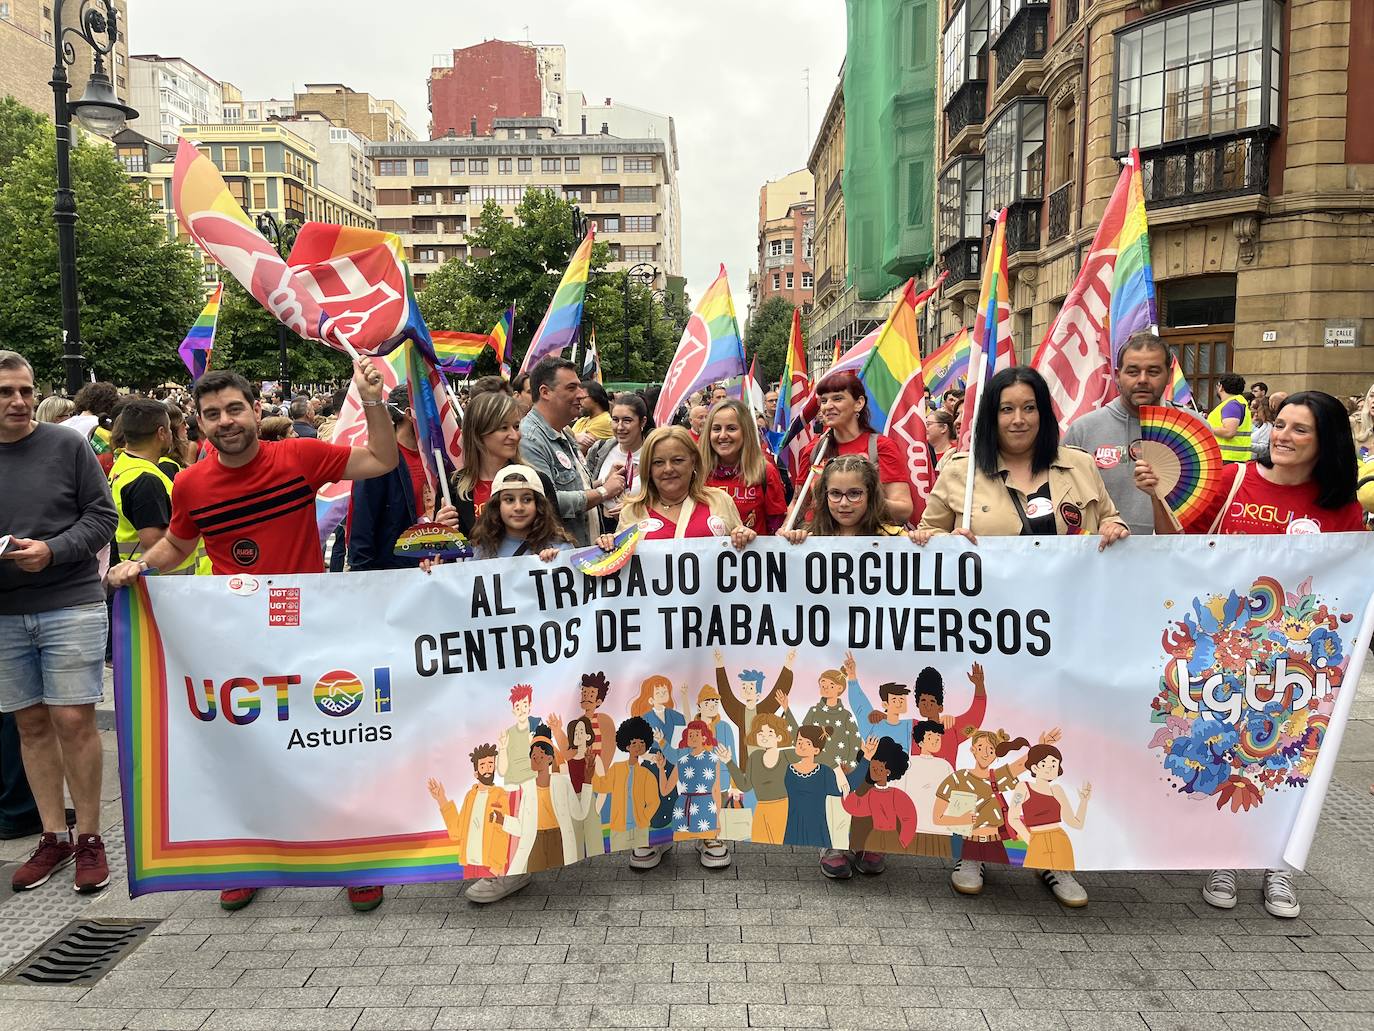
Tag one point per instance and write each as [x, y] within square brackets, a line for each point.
[373, 404]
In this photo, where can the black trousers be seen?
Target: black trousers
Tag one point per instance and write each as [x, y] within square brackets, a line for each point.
[17, 807]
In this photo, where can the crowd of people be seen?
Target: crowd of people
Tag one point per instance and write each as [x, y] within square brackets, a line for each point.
[106, 487]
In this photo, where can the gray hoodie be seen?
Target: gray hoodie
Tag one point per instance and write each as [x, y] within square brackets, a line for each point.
[1107, 435]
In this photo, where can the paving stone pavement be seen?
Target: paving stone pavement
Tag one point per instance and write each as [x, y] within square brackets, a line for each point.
[766, 943]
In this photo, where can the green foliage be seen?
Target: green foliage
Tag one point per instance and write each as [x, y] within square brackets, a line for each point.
[139, 292]
[523, 262]
[247, 341]
[766, 338]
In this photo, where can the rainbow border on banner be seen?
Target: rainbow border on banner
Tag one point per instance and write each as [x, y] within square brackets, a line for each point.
[159, 864]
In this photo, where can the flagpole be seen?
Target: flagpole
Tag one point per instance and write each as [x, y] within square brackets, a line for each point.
[973, 438]
[819, 457]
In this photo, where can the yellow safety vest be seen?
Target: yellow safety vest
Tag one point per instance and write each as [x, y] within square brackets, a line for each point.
[1237, 449]
[126, 469]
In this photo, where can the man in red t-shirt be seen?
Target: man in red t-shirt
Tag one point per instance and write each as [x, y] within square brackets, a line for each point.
[253, 502]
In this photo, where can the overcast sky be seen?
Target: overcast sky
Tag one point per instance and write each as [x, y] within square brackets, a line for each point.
[729, 71]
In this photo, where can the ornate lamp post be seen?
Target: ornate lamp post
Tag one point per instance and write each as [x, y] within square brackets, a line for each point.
[100, 111]
[283, 238]
[646, 275]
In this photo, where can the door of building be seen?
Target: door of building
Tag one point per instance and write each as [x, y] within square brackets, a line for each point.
[1205, 353]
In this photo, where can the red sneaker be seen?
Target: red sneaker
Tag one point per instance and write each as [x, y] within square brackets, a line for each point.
[236, 898]
[92, 871]
[364, 900]
[51, 855]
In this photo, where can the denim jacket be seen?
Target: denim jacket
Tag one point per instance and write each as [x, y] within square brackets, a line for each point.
[555, 454]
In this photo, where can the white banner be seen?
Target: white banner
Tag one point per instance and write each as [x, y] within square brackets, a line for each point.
[1171, 703]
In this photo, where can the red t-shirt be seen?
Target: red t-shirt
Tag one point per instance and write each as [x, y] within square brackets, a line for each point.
[699, 525]
[416, 467]
[481, 494]
[1263, 507]
[259, 518]
[891, 468]
[754, 502]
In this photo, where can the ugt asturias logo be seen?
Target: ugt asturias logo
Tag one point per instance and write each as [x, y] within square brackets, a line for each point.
[337, 694]
[1247, 694]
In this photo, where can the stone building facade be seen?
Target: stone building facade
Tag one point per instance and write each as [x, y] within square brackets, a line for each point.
[787, 223]
[1255, 124]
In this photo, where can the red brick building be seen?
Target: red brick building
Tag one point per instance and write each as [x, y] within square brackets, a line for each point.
[490, 80]
[787, 218]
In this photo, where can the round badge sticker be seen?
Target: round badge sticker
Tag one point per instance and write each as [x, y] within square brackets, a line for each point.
[563, 460]
[1039, 508]
[1071, 514]
[1108, 457]
[717, 526]
[243, 585]
[245, 551]
[651, 524]
[1303, 527]
[1136, 450]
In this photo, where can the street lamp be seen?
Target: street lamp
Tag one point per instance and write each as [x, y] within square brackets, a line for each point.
[646, 275]
[283, 238]
[100, 111]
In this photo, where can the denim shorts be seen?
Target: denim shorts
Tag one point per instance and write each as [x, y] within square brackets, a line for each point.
[55, 657]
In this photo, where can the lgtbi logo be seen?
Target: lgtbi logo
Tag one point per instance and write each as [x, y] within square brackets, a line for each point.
[338, 693]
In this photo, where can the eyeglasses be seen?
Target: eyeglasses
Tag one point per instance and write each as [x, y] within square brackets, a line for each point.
[854, 495]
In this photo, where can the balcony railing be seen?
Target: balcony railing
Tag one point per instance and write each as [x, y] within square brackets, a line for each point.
[777, 260]
[1024, 39]
[1023, 227]
[1061, 201]
[823, 283]
[967, 107]
[963, 260]
[1203, 169]
[832, 192]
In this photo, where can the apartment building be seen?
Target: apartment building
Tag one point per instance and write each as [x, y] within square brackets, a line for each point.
[787, 223]
[1255, 124]
[343, 165]
[373, 118]
[171, 92]
[27, 53]
[432, 192]
[494, 79]
[237, 109]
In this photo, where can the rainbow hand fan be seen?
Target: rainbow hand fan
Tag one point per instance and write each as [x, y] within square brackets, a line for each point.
[595, 562]
[1186, 457]
[428, 539]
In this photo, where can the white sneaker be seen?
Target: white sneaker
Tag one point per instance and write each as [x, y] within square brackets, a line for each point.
[967, 877]
[714, 855]
[1220, 889]
[494, 889]
[648, 858]
[1065, 887]
[1279, 897]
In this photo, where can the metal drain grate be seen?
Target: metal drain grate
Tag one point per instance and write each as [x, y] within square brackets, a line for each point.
[81, 953]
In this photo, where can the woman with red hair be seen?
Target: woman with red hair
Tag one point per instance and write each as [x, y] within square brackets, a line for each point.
[844, 413]
[696, 816]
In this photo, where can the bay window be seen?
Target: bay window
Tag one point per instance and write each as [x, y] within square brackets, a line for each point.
[1015, 152]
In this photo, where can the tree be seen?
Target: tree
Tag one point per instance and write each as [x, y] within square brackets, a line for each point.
[139, 292]
[523, 262]
[246, 341]
[767, 337]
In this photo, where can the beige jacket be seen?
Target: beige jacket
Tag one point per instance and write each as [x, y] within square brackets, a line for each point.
[1074, 481]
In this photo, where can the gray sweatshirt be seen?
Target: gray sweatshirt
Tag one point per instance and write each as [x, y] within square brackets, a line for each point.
[1107, 434]
[52, 489]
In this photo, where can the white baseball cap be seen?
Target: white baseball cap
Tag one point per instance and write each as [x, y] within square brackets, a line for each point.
[517, 477]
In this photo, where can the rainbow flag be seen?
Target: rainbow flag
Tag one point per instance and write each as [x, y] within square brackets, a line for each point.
[501, 341]
[199, 344]
[796, 378]
[1133, 279]
[563, 320]
[948, 366]
[1180, 393]
[591, 359]
[992, 348]
[711, 350]
[428, 397]
[456, 353]
[835, 358]
[895, 357]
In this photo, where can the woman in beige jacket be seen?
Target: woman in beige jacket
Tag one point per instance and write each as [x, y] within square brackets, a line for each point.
[1025, 484]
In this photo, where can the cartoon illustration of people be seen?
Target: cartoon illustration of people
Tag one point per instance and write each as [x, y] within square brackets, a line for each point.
[696, 817]
[594, 689]
[930, 705]
[843, 740]
[631, 786]
[1040, 808]
[513, 746]
[891, 720]
[751, 700]
[890, 809]
[809, 784]
[771, 737]
[482, 842]
[927, 770]
[708, 712]
[579, 761]
[655, 704]
[549, 811]
[974, 803]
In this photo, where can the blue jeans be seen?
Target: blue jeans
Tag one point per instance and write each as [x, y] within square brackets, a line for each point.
[56, 657]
